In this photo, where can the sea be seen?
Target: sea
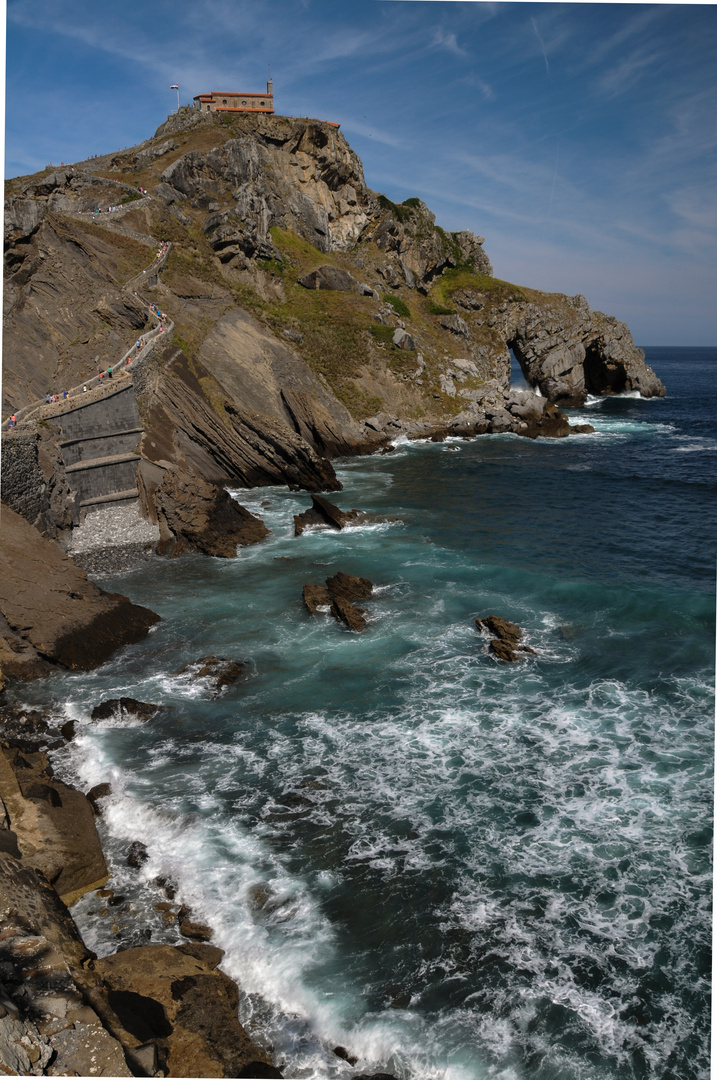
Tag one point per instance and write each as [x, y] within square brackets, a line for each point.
[452, 867]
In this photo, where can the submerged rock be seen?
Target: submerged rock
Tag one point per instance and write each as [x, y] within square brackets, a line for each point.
[220, 671]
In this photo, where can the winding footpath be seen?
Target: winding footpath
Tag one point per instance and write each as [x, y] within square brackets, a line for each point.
[101, 385]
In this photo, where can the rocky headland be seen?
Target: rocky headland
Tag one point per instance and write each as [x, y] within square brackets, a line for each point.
[226, 305]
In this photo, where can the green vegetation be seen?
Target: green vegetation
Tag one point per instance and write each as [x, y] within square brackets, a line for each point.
[412, 202]
[381, 333]
[131, 196]
[398, 305]
[402, 213]
[438, 309]
[495, 290]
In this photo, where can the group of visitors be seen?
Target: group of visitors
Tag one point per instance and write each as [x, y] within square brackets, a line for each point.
[164, 248]
[53, 399]
[12, 421]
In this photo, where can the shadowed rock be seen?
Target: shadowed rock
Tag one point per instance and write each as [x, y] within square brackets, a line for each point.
[329, 277]
[48, 604]
[124, 707]
[187, 1007]
[348, 614]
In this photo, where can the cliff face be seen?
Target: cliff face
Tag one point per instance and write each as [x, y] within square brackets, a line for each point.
[313, 317]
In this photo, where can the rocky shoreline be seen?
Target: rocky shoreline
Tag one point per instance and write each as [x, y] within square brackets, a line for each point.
[147, 1010]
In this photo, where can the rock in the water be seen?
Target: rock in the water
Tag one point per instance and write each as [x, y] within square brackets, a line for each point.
[323, 512]
[220, 671]
[195, 931]
[500, 628]
[123, 707]
[348, 614]
[316, 596]
[503, 650]
[99, 791]
[137, 854]
[196, 515]
[506, 636]
[347, 587]
[329, 277]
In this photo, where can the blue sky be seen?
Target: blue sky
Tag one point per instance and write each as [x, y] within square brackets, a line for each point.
[579, 139]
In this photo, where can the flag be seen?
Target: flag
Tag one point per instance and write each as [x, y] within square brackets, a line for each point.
[175, 87]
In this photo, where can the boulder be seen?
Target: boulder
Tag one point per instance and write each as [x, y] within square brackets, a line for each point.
[195, 931]
[329, 277]
[186, 1007]
[194, 514]
[455, 324]
[402, 339]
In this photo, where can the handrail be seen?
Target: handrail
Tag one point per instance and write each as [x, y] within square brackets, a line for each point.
[145, 342]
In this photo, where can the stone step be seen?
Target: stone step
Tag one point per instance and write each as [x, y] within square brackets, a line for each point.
[97, 463]
[116, 496]
[109, 435]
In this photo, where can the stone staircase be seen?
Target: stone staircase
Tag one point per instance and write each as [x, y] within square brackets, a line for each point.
[100, 448]
[99, 419]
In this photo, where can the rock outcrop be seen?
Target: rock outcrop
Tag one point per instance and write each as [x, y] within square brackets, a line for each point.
[505, 637]
[176, 999]
[569, 352]
[323, 512]
[51, 612]
[338, 596]
[194, 514]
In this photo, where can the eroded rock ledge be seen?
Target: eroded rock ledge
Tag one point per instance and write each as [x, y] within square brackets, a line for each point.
[50, 613]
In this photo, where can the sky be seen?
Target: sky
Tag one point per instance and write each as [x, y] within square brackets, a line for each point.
[579, 139]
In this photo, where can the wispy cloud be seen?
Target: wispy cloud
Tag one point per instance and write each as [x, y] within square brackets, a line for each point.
[542, 45]
[447, 41]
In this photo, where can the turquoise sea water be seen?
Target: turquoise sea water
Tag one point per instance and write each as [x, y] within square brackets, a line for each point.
[452, 867]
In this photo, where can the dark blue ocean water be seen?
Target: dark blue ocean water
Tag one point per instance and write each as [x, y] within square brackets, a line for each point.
[452, 867]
